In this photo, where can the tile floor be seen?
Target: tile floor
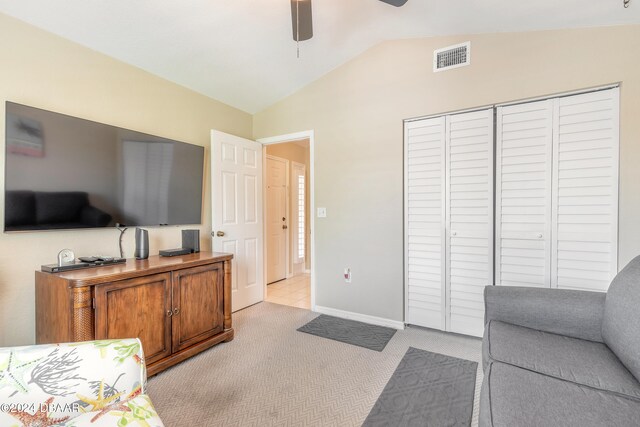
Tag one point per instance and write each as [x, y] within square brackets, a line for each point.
[294, 292]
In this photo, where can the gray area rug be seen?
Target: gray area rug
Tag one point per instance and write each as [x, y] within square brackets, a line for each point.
[349, 331]
[427, 389]
[271, 375]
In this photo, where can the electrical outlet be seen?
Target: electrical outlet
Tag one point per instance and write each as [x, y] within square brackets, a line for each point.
[322, 212]
[347, 275]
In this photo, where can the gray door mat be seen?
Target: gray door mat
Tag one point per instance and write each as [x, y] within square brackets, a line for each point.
[427, 389]
[361, 334]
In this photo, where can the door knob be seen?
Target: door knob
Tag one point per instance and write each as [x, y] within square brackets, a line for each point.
[176, 311]
[169, 313]
[220, 234]
[284, 227]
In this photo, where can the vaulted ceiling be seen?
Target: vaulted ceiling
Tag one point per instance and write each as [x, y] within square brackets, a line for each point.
[241, 52]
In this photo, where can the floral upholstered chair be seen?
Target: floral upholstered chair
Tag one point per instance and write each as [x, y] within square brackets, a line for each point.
[93, 383]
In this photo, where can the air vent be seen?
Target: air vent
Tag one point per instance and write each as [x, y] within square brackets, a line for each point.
[450, 57]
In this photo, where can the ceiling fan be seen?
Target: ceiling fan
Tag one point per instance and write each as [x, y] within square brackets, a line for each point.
[302, 19]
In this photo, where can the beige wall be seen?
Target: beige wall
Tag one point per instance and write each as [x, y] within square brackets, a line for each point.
[48, 72]
[294, 152]
[357, 112]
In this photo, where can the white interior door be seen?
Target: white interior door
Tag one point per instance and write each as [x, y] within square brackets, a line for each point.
[557, 192]
[449, 220]
[424, 222]
[469, 203]
[236, 197]
[277, 218]
[585, 198]
[523, 194]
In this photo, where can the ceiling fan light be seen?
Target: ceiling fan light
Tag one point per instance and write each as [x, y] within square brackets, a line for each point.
[301, 16]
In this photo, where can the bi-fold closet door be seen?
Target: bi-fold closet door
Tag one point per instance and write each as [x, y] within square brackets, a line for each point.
[556, 204]
[449, 220]
[557, 192]
[524, 135]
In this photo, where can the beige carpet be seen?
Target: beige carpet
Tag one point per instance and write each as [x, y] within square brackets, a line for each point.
[272, 375]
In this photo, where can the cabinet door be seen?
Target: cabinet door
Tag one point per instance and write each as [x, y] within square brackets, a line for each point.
[137, 308]
[198, 304]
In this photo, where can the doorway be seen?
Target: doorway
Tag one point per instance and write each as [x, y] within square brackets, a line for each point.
[238, 216]
[287, 190]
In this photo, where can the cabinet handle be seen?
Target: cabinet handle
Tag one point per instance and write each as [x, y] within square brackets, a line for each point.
[169, 313]
[176, 311]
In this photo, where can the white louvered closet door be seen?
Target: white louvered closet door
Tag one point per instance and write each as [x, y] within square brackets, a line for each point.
[585, 205]
[424, 222]
[524, 136]
[469, 217]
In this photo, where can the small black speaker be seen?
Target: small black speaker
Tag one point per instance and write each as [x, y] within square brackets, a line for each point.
[191, 240]
[142, 244]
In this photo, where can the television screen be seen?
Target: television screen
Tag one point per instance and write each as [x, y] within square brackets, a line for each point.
[63, 172]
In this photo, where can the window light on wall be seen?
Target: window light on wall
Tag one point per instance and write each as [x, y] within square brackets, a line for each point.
[301, 218]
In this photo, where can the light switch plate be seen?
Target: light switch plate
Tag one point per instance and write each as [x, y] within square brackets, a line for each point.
[322, 212]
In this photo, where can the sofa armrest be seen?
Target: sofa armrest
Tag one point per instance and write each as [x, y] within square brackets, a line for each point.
[94, 217]
[572, 313]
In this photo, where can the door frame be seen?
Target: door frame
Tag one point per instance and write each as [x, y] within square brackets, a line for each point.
[287, 208]
[308, 134]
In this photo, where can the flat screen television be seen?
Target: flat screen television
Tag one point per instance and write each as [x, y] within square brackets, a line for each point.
[63, 172]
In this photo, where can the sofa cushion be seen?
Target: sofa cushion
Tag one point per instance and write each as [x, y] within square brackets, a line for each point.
[62, 381]
[621, 322]
[518, 397]
[19, 208]
[583, 362]
[60, 207]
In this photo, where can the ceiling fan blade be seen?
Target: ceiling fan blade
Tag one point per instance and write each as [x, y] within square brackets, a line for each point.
[396, 3]
[301, 13]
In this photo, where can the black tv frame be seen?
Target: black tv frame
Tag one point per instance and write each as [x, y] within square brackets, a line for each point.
[108, 227]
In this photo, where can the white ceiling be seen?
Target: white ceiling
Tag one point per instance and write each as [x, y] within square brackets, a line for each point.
[241, 52]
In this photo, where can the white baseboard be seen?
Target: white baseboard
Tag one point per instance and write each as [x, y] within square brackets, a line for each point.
[380, 321]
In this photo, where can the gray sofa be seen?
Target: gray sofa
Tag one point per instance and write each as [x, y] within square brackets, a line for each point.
[41, 210]
[562, 358]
